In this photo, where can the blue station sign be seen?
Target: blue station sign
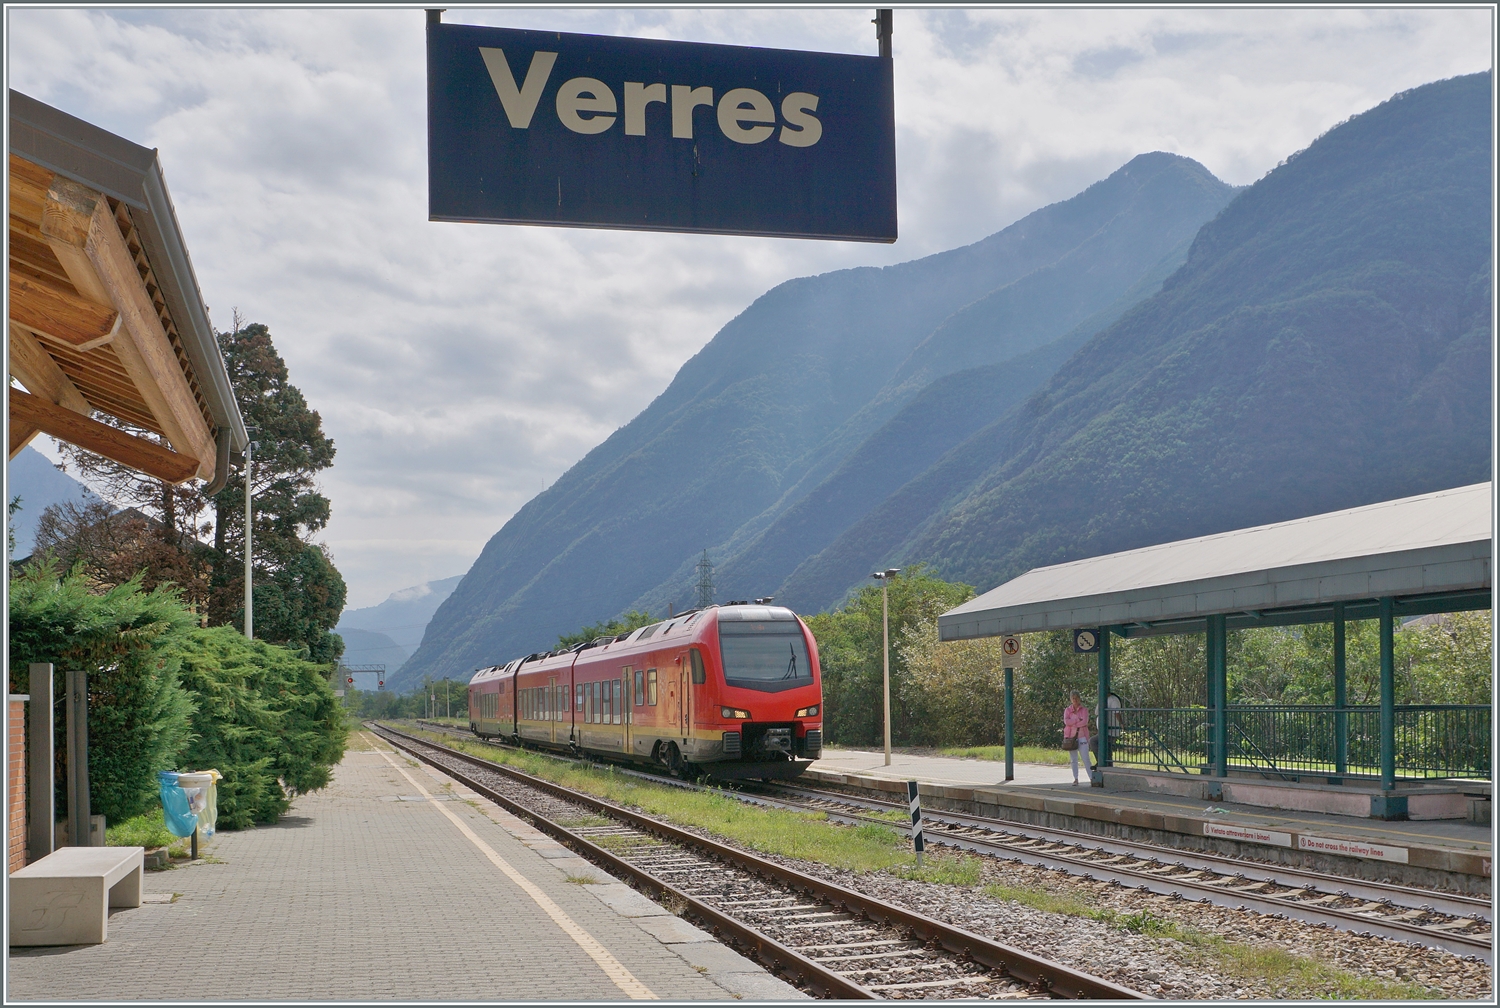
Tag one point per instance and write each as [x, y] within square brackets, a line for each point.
[531, 127]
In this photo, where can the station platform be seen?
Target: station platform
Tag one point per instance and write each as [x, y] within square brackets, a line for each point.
[395, 883]
[1452, 854]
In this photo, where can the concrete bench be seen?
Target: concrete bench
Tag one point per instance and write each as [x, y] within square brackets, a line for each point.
[65, 898]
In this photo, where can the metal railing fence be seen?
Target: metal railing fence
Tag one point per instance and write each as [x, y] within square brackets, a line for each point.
[1431, 740]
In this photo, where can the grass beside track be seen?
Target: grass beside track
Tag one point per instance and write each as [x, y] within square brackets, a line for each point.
[871, 847]
[806, 835]
[1291, 974]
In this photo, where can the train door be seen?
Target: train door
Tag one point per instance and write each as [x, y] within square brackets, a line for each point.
[549, 711]
[627, 709]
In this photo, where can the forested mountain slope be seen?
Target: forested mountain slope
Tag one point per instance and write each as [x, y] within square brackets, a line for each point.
[786, 391]
[1326, 345]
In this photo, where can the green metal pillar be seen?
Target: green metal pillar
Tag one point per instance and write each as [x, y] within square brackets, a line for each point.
[1215, 643]
[1010, 724]
[1102, 715]
[1340, 693]
[1387, 694]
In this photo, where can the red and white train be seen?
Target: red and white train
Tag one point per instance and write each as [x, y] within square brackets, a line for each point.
[732, 691]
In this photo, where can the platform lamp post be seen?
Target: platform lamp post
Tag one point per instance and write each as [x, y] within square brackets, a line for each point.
[249, 547]
[884, 577]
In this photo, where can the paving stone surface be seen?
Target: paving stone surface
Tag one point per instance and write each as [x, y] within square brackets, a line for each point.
[357, 896]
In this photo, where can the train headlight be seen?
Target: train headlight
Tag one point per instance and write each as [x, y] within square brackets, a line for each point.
[733, 713]
[807, 711]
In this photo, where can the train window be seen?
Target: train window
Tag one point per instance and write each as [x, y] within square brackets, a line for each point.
[579, 698]
[562, 702]
[619, 703]
[640, 687]
[651, 687]
[594, 707]
[698, 675]
[767, 656]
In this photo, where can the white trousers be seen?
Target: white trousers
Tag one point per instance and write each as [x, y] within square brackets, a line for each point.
[1073, 755]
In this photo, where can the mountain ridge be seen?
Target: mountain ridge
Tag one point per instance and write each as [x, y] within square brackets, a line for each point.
[741, 424]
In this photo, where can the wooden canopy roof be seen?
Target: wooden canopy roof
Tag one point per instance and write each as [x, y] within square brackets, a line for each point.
[104, 313]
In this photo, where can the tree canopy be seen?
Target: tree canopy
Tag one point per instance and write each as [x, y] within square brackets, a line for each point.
[159, 534]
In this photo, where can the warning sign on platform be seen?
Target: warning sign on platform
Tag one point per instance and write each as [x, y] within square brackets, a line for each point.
[1249, 834]
[1352, 848]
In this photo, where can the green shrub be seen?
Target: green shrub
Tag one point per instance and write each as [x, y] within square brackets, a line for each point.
[138, 711]
[267, 720]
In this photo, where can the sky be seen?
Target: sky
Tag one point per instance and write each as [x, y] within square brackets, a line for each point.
[462, 368]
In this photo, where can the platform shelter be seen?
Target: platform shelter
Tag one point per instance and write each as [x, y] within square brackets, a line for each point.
[111, 350]
[1392, 560]
[104, 313]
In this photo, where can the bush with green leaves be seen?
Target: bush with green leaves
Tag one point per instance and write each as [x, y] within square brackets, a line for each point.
[166, 694]
[850, 656]
[267, 720]
[138, 711]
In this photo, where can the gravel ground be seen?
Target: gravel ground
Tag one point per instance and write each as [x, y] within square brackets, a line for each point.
[1157, 965]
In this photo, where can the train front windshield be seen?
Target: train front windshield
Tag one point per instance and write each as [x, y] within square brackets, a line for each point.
[770, 656]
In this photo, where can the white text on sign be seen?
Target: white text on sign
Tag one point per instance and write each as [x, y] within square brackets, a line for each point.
[588, 106]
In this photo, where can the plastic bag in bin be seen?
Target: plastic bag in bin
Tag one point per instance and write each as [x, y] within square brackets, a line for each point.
[203, 797]
[176, 805]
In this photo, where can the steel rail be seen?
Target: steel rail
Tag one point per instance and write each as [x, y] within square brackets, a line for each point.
[786, 961]
[1159, 883]
[1454, 904]
[1220, 895]
[1036, 972]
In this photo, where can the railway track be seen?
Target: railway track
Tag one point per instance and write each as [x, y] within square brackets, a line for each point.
[1453, 922]
[826, 939]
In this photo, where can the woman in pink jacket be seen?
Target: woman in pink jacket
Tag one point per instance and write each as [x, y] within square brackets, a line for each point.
[1076, 725]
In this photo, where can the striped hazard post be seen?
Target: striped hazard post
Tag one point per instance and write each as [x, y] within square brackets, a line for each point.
[914, 803]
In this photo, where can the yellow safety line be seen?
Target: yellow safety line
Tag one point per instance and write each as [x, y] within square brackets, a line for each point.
[612, 967]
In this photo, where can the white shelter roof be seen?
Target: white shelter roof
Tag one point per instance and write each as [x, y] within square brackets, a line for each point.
[1431, 552]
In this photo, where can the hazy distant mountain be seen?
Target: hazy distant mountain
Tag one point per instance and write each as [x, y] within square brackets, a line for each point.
[788, 391]
[1326, 345]
[366, 647]
[389, 632]
[39, 483]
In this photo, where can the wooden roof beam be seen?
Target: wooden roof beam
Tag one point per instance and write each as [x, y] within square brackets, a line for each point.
[81, 228]
[60, 315]
[34, 366]
[31, 412]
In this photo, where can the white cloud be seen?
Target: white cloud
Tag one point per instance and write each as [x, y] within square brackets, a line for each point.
[462, 368]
